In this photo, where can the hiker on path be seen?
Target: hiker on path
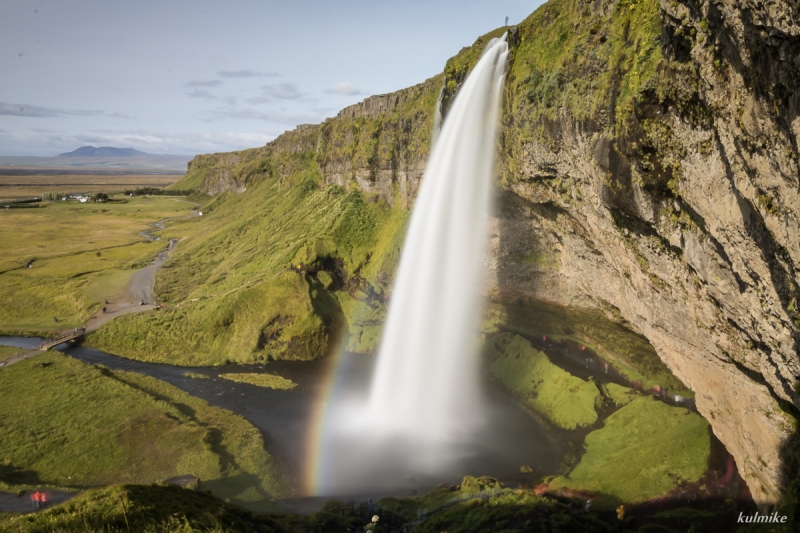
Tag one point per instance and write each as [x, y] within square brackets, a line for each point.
[42, 499]
[588, 506]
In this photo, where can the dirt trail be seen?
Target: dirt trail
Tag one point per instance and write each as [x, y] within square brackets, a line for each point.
[139, 291]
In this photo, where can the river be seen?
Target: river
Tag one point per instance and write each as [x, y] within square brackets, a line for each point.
[512, 440]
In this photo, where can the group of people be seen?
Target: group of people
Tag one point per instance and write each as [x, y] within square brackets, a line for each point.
[38, 499]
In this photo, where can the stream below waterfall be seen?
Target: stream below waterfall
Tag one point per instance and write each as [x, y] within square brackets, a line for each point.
[512, 439]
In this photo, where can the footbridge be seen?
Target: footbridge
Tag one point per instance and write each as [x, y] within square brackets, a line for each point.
[64, 337]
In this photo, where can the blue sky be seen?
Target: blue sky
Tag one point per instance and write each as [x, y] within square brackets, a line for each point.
[193, 76]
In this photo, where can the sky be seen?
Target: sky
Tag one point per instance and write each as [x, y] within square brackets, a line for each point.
[193, 76]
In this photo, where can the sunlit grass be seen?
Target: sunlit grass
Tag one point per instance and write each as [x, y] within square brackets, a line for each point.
[567, 401]
[643, 451]
[270, 381]
[64, 423]
[79, 256]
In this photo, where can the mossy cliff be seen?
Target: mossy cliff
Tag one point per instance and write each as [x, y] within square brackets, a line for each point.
[648, 171]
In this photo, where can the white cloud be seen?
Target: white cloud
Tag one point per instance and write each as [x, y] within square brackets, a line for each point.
[256, 100]
[282, 117]
[199, 93]
[203, 83]
[344, 88]
[282, 91]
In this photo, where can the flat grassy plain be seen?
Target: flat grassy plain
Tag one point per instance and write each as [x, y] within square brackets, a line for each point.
[28, 182]
[79, 256]
[66, 424]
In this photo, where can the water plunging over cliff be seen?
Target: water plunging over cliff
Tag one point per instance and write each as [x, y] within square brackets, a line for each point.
[425, 380]
[424, 403]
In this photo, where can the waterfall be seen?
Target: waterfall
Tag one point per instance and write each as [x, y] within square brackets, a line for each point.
[425, 386]
[424, 406]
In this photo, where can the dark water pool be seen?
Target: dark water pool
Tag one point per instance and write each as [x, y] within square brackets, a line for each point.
[512, 439]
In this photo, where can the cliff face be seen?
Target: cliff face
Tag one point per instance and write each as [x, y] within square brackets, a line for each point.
[678, 212]
[649, 161]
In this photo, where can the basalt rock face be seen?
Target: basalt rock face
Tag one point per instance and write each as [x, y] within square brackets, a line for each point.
[677, 213]
[649, 169]
[379, 145]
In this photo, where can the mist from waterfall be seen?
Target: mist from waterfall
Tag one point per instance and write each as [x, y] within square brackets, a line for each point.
[424, 403]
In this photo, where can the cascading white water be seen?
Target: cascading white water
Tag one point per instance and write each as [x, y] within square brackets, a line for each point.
[424, 402]
[425, 381]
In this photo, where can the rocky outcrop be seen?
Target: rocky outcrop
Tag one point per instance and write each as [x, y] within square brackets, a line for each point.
[682, 219]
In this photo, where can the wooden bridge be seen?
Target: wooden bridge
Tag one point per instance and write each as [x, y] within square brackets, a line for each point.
[64, 337]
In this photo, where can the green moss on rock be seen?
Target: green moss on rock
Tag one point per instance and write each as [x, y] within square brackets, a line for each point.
[567, 401]
[643, 451]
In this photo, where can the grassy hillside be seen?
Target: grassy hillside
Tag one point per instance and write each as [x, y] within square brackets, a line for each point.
[67, 424]
[231, 293]
[144, 509]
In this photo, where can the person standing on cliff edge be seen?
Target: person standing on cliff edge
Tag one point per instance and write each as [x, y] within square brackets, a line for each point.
[506, 20]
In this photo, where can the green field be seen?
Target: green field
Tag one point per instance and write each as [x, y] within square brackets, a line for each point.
[79, 256]
[9, 351]
[67, 424]
[565, 400]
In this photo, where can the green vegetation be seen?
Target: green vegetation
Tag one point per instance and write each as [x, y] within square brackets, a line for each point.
[630, 353]
[7, 352]
[196, 375]
[271, 381]
[511, 513]
[619, 395]
[79, 256]
[142, 509]
[231, 293]
[577, 58]
[67, 424]
[567, 401]
[643, 451]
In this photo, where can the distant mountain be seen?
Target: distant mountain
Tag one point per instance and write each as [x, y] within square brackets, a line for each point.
[103, 151]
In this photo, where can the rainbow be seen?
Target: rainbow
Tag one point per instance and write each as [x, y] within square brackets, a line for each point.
[315, 435]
